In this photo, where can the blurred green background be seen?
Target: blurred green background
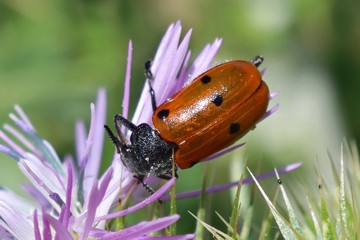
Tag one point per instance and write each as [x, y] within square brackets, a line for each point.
[55, 54]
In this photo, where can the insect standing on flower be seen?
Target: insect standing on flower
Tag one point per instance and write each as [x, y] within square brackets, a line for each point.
[215, 110]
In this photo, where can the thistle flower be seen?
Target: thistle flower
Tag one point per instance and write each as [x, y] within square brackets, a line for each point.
[69, 200]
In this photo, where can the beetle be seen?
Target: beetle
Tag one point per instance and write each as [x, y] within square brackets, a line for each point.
[211, 113]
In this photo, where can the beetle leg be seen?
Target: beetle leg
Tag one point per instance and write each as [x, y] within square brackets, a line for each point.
[119, 140]
[165, 177]
[149, 75]
[257, 61]
[146, 186]
[168, 177]
[148, 72]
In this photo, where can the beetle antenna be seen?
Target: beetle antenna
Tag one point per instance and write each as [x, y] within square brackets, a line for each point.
[149, 75]
[118, 119]
[112, 137]
[257, 61]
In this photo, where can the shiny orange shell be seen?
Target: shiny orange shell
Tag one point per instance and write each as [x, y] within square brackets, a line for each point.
[214, 111]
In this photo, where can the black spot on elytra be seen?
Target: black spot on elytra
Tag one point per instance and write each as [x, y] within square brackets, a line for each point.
[217, 100]
[163, 114]
[234, 128]
[206, 79]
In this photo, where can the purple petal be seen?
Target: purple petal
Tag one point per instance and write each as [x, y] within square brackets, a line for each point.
[162, 66]
[11, 153]
[61, 232]
[47, 152]
[20, 137]
[166, 66]
[166, 40]
[36, 226]
[97, 233]
[54, 196]
[270, 112]
[283, 170]
[179, 237]
[24, 206]
[166, 83]
[166, 70]
[273, 95]
[60, 217]
[80, 140]
[46, 226]
[15, 222]
[104, 183]
[89, 140]
[43, 179]
[95, 197]
[153, 198]
[21, 124]
[218, 154]
[4, 234]
[263, 72]
[222, 187]
[204, 60]
[126, 98]
[120, 176]
[142, 228]
[51, 156]
[97, 141]
[88, 182]
[36, 195]
[180, 81]
[93, 202]
[66, 209]
[23, 116]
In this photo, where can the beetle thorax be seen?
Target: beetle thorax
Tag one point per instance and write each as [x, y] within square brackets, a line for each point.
[150, 154]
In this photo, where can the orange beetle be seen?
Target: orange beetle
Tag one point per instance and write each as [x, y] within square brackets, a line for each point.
[215, 110]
